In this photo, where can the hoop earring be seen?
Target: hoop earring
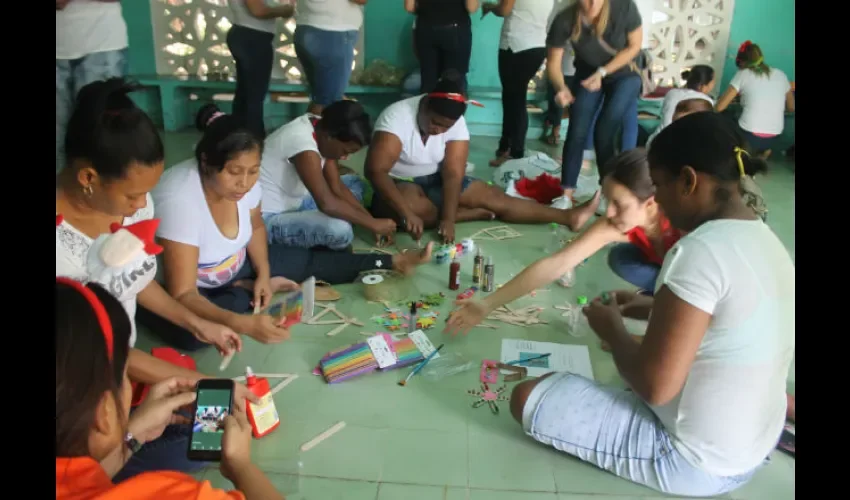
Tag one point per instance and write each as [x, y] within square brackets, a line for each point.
[88, 190]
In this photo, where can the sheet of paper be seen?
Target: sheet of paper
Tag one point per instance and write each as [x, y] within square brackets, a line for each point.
[423, 343]
[381, 350]
[563, 358]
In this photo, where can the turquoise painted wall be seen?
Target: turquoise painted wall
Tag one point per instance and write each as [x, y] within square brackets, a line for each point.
[768, 23]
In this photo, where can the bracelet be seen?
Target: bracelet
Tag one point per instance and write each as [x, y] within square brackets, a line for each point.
[602, 72]
[132, 443]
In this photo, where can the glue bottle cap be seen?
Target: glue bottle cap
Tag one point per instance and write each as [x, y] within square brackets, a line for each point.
[490, 260]
[582, 300]
[249, 372]
[553, 225]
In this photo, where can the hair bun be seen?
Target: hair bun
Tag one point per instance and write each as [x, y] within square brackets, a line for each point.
[206, 115]
[686, 74]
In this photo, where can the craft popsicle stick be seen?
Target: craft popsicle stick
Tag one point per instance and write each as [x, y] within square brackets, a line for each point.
[241, 378]
[309, 445]
[283, 383]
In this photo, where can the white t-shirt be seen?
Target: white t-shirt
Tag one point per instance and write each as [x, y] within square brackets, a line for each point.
[568, 60]
[731, 410]
[668, 108]
[72, 249]
[417, 159]
[185, 218]
[525, 27]
[242, 16]
[329, 15]
[283, 189]
[763, 100]
[86, 26]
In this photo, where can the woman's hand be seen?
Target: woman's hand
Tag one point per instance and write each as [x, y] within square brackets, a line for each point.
[604, 318]
[414, 225]
[235, 443]
[593, 83]
[264, 329]
[158, 409]
[221, 336]
[632, 304]
[383, 229]
[447, 231]
[470, 313]
[241, 393]
[564, 97]
[262, 292]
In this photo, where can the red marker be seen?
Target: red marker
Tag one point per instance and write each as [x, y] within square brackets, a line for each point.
[469, 292]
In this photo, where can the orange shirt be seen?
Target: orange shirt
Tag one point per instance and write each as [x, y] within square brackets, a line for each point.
[82, 478]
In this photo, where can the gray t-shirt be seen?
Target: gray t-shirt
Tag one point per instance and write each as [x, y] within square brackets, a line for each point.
[590, 51]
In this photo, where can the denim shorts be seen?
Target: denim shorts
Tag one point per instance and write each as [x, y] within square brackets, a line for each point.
[432, 185]
[615, 430]
[326, 57]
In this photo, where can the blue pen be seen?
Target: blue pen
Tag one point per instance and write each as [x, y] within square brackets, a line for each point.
[529, 359]
[420, 366]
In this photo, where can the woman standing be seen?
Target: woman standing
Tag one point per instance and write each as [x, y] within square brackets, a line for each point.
[325, 36]
[443, 37]
[250, 43]
[522, 48]
[765, 93]
[606, 36]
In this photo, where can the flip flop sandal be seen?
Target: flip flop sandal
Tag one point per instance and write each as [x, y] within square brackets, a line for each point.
[555, 138]
[325, 293]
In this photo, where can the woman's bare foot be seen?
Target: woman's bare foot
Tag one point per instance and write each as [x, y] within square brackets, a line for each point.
[578, 216]
[501, 157]
[406, 262]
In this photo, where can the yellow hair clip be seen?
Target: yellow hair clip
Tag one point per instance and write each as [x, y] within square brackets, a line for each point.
[739, 152]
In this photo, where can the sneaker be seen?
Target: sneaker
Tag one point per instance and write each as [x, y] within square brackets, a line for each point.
[603, 205]
[562, 203]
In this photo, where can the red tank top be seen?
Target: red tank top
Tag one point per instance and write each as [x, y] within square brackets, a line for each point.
[669, 237]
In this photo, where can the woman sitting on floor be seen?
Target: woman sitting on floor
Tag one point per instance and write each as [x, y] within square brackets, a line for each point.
[765, 94]
[707, 401]
[96, 434]
[305, 201]
[114, 157]
[217, 259]
[417, 165]
[632, 220]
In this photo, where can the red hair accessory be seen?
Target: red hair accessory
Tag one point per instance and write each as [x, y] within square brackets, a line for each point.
[59, 219]
[744, 46]
[99, 310]
[454, 97]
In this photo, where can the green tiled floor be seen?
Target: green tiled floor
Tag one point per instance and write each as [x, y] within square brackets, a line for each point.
[425, 442]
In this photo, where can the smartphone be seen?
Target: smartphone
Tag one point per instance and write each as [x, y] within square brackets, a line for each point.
[214, 401]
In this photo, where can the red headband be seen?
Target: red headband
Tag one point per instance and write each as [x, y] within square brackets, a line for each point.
[99, 310]
[454, 97]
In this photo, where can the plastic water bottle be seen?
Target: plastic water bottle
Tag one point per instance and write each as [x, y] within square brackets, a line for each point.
[554, 242]
[574, 318]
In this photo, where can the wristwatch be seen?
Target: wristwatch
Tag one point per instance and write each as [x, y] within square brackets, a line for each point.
[132, 443]
[601, 71]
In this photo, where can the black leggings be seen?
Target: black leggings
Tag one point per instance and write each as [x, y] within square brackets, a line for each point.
[296, 264]
[516, 69]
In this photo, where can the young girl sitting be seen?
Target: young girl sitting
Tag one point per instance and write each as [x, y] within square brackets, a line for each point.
[633, 219]
[95, 432]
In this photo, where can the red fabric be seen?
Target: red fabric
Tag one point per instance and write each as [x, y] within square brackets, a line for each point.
[543, 189]
[140, 391]
[669, 237]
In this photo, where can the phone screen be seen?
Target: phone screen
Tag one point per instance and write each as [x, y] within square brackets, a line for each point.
[212, 406]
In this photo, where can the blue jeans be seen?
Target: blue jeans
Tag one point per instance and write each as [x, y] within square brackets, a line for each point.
[616, 105]
[615, 430]
[254, 55]
[307, 227]
[168, 452]
[326, 57]
[628, 262]
[74, 74]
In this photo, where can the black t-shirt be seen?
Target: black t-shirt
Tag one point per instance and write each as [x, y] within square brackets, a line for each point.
[442, 12]
[623, 18]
